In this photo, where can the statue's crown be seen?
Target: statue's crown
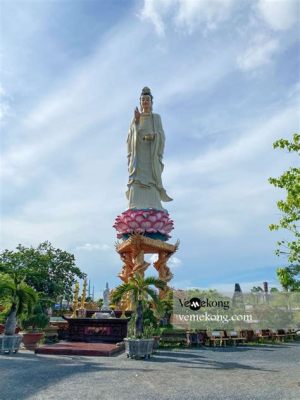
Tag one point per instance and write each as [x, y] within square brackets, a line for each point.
[146, 92]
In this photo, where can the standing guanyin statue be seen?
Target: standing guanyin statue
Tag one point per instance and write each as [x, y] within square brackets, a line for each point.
[145, 148]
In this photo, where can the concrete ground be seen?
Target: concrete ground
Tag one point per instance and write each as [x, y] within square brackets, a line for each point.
[235, 373]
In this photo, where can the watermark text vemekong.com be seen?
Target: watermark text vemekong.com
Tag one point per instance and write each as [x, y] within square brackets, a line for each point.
[206, 317]
[196, 303]
[211, 309]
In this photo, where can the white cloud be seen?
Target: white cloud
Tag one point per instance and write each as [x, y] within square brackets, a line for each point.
[94, 247]
[174, 262]
[65, 116]
[227, 188]
[205, 13]
[294, 92]
[280, 15]
[152, 259]
[259, 53]
[5, 107]
[186, 15]
[244, 149]
[154, 11]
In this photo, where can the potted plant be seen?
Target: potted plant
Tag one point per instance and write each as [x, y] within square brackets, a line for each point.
[151, 319]
[33, 325]
[21, 298]
[139, 342]
[140, 346]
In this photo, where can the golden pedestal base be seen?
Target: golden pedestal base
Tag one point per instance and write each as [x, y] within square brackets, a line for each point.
[132, 253]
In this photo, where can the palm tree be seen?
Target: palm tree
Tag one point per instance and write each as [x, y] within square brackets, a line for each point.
[165, 308]
[140, 289]
[22, 298]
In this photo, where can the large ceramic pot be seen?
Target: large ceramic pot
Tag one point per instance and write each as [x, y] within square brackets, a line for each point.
[137, 348]
[10, 343]
[31, 340]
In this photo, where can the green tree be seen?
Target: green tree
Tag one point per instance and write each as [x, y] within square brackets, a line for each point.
[21, 296]
[256, 289]
[141, 289]
[288, 277]
[290, 209]
[51, 272]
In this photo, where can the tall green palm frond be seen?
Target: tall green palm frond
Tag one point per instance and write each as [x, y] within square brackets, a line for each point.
[21, 298]
[139, 287]
[27, 298]
[18, 293]
[140, 290]
[7, 286]
[151, 280]
[121, 290]
[152, 293]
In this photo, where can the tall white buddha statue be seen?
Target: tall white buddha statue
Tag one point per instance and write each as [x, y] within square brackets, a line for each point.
[146, 141]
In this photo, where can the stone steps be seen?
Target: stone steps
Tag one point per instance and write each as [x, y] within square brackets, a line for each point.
[80, 349]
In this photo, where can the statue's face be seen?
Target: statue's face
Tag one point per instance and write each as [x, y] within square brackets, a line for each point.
[146, 104]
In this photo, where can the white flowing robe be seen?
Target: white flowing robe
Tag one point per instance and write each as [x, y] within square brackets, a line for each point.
[145, 166]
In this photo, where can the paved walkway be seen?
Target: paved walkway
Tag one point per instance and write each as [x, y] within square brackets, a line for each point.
[270, 372]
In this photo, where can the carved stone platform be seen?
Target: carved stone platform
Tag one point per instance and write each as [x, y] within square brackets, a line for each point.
[109, 330]
[132, 253]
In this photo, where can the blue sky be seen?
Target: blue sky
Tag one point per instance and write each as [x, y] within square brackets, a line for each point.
[225, 80]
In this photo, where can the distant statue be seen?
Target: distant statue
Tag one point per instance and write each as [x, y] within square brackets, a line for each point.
[105, 306]
[146, 141]
[237, 298]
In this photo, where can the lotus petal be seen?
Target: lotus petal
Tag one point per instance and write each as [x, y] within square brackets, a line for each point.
[158, 225]
[146, 224]
[168, 227]
[133, 224]
[122, 226]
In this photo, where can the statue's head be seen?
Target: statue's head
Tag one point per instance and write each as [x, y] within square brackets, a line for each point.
[146, 99]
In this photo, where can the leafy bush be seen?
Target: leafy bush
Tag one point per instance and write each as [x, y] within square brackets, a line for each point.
[35, 321]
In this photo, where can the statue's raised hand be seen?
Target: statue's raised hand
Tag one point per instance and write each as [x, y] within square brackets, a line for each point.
[137, 115]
